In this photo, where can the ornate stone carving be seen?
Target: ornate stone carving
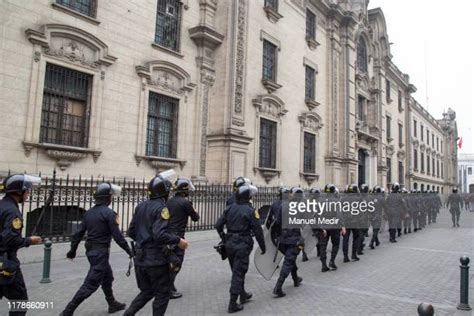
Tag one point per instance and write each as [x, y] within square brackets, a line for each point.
[71, 44]
[65, 158]
[240, 56]
[72, 52]
[166, 76]
[270, 85]
[311, 121]
[422, 147]
[416, 143]
[401, 154]
[310, 177]
[268, 174]
[37, 56]
[390, 150]
[270, 105]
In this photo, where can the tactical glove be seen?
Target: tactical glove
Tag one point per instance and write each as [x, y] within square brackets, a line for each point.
[71, 254]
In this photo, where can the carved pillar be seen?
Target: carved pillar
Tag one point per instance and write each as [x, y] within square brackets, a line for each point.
[207, 39]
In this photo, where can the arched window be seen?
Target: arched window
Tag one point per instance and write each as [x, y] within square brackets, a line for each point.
[362, 55]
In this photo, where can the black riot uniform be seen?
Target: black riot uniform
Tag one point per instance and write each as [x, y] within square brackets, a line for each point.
[181, 209]
[352, 224]
[454, 204]
[363, 218]
[332, 233]
[101, 224]
[290, 243]
[154, 258]
[375, 217]
[394, 206]
[241, 221]
[12, 284]
[238, 182]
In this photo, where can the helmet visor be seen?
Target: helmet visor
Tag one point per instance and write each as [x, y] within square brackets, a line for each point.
[115, 190]
[169, 175]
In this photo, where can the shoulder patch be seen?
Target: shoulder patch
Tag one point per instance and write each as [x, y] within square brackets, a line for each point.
[165, 213]
[17, 223]
[257, 215]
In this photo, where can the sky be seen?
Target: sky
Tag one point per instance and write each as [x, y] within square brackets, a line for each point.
[433, 42]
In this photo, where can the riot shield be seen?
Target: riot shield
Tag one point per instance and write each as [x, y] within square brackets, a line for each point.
[267, 263]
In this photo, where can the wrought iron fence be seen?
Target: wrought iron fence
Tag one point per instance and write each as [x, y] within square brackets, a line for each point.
[56, 208]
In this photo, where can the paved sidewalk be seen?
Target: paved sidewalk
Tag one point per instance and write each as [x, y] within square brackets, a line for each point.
[391, 280]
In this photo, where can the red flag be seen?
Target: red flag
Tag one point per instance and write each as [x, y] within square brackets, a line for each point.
[460, 143]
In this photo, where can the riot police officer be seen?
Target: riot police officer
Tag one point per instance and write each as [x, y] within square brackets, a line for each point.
[101, 224]
[332, 233]
[375, 217]
[351, 223]
[290, 243]
[180, 209]
[238, 182]
[454, 204]
[363, 218]
[407, 215]
[394, 206]
[154, 260]
[240, 220]
[12, 284]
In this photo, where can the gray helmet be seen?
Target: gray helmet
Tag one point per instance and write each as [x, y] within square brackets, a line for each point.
[20, 183]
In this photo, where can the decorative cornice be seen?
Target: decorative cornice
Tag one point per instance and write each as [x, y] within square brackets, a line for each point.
[270, 85]
[206, 36]
[312, 43]
[270, 104]
[63, 155]
[311, 121]
[311, 104]
[310, 177]
[161, 163]
[272, 15]
[267, 173]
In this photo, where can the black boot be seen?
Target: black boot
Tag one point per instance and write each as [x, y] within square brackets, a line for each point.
[245, 297]
[175, 294]
[409, 230]
[354, 257]
[324, 268]
[115, 306]
[371, 245]
[332, 265]
[233, 305]
[69, 310]
[346, 258]
[404, 231]
[277, 290]
[297, 281]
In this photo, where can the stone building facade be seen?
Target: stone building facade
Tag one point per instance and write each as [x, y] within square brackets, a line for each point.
[466, 173]
[294, 92]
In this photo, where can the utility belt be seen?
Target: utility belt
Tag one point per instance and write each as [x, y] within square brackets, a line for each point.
[166, 252]
[96, 246]
[8, 269]
[239, 233]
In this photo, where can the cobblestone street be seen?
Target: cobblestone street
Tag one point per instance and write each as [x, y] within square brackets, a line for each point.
[391, 280]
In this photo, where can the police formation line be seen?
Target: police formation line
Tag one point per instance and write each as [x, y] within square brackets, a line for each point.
[158, 230]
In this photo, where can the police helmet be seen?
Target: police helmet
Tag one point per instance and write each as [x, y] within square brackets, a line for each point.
[330, 188]
[106, 190]
[404, 190]
[377, 189]
[245, 192]
[282, 191]
[395, 187]
[455, 190]
[296, 192]
[183, 185]
[352, 188]
[315, 191]
[160, 185]
[364, 188]
[20, 183]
